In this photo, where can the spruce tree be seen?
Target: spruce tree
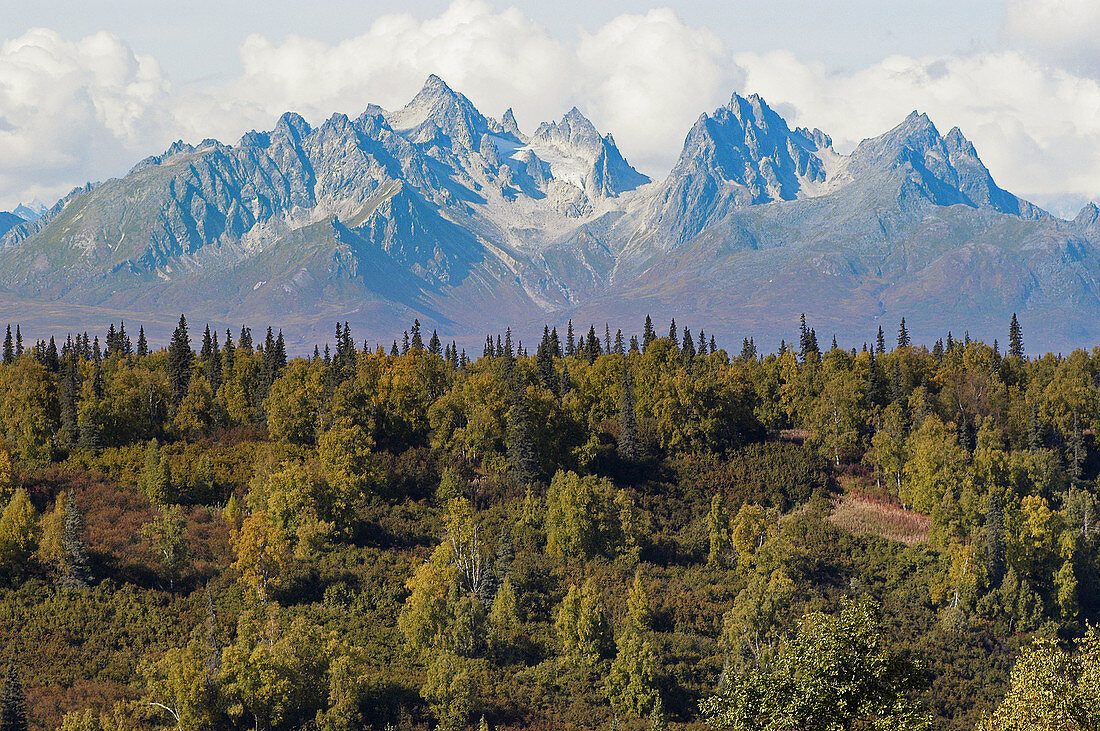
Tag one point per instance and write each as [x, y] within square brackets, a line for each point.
[648, 336]
[592, 347]
[13, 702]
[544, 361]
[180, 358]
[880, 341]
[9, 348]
[76, 573]
[53, 361]
[570, 341]
[126, 348]
[279, 356]
[19, 342]
[688, 348]
[143, 344]
[1015, 338]
[417, 342]
[672, 332]
[521, 448]
[229, 355]
[634, 344]
[903, 335]
[206, 353]
[434, 346]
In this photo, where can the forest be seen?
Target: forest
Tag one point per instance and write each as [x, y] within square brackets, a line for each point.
[600, 530]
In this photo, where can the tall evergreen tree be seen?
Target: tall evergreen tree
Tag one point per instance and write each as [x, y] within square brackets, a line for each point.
[9, 348]
[434, 346]
[244, 342]
[592, 346]
[688, 347]
[648, 335]
[544, 361]
[1015, 338]
[417, 341]
[903, 335]
[672, 334]
[76, 573]
[180, 359]
[213, 368]
[13, 702]
[880, 341]
[570, 342]
[229, 356]
[126, 348]
[619, 342]
[520, 443]
[279, 356]
[53, 360]
[19, 342]
[143, 344]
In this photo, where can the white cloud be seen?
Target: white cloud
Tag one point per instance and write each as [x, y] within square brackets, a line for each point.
[1066, 31]
[70, 110]
[1036, 127]
[648, 77]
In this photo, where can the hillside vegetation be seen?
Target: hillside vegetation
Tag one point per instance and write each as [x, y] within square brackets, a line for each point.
[607, 531]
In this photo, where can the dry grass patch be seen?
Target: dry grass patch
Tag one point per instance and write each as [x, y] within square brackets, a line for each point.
[863, 514]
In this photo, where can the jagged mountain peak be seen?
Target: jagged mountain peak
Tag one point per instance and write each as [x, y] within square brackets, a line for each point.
[1089, 213]
[508, 124]
[943, 170]
[293, 126]
[32, 211]
[573, 132]
[741, 154]
[578, 154]
[450, 112]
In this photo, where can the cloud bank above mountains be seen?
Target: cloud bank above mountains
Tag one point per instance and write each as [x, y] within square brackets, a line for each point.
[72, 111]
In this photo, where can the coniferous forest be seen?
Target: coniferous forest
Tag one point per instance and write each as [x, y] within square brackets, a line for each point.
[607, 530]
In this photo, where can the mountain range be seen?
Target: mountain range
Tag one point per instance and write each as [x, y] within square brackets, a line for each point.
[471, 225]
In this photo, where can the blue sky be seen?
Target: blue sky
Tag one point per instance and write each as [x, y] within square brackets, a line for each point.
[86, 90]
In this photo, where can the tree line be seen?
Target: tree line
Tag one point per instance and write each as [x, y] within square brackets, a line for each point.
[637, 524]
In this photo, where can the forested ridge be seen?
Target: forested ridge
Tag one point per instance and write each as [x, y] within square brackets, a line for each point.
[598, 531]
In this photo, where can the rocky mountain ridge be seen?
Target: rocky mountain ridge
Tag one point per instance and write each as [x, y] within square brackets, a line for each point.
[438, 212]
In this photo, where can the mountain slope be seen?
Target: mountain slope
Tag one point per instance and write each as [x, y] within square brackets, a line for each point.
[439, 212]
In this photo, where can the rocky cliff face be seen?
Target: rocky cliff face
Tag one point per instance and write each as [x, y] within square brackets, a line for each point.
[439, 212]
